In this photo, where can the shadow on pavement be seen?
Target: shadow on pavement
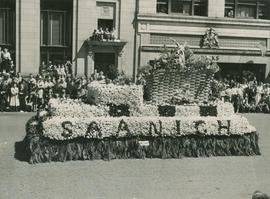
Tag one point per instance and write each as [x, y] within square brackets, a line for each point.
[20, 151]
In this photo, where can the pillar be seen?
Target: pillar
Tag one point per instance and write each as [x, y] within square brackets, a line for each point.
[28, 36]
[216, 8]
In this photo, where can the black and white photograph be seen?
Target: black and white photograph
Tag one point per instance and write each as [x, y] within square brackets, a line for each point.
[135, 99]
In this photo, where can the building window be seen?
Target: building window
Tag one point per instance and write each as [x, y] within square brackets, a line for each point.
[55, 28]
[162, 6]
[7, 26]
[56, 36]
[254, 9]
[182, 7]
[106, 19]
[106, 24]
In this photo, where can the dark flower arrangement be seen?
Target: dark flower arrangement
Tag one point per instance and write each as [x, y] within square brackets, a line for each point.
[166, 110]
[119, 110]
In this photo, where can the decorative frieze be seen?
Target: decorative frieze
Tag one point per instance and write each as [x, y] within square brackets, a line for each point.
[194, 41]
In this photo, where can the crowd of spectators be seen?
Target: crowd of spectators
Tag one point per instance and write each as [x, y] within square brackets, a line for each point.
[32, 93]
[244, 92]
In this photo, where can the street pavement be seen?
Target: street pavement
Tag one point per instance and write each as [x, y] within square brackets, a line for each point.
[194, 178]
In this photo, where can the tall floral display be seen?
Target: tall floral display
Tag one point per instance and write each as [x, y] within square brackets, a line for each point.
[178, 68]
[115, 122]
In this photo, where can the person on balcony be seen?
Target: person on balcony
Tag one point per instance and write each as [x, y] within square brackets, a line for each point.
[107, 34]
[100, 34]
[6, 58]
[113, 35]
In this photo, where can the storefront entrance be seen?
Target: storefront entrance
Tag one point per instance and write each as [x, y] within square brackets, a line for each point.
[237, 71]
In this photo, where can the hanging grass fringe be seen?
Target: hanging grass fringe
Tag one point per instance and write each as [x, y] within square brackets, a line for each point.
[40, 149]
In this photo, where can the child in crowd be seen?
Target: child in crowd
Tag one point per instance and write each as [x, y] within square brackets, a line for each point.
[14, 97]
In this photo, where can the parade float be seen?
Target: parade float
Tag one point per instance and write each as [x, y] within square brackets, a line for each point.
[115, 122]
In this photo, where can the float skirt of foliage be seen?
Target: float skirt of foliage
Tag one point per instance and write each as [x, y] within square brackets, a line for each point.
[40, 149]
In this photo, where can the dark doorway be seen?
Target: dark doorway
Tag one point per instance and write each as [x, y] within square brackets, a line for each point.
[105, 62]
[238, 71]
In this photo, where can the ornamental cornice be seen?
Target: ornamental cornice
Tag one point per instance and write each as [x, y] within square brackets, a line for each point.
[231, 51]
[205, 20]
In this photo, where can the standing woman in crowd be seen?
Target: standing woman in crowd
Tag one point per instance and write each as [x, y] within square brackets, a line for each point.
[259, 91]
[14, 97]
[70, 91]
[62, 86]
[5, 91]
[6, 60]
[32, 86]
[63, 71]
[1, 53]
[58, 71]
[12, 68]
[40, 92]
[48, 90]
[22, 95]
[68, 68]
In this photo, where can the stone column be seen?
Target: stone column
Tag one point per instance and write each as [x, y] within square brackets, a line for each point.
[216, 8]
[147, 6]
[75, 36]
[84, 22]
[28, 36]
[268, 44]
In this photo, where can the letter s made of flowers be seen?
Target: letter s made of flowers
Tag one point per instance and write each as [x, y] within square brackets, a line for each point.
[67, 126]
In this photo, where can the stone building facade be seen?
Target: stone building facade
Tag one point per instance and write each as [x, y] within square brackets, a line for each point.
[242, 26]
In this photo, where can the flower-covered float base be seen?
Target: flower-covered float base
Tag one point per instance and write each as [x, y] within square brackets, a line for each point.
[153, 141]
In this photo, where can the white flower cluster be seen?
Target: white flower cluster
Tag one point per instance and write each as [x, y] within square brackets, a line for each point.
[104, 94]
[75, 108]
[187, 110]
[145, 110]
[62, 128]
[224, 109]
